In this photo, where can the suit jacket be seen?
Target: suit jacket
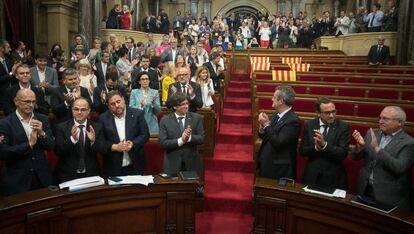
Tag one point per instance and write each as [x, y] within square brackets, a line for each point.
[213, 75]
[97, 102]
[326, 167]
[153, 76]
[196, 102]
[60, 110]
[22, 163]
[68, 152]
[9, 107]
[150, 109]
[167, 55]
[100, 77]
[187, 154]
[392, 169]
[382, 57]
[277, 154]
[6, 80]
[136, 130]
[50, 75]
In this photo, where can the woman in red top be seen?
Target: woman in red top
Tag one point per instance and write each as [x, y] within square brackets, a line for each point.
[126, 18]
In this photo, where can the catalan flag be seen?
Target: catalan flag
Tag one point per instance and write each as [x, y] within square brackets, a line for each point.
[283, 75]
[259, 63]
[299, 67]
[287, 60]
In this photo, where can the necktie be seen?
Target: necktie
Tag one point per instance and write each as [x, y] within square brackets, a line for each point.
[5, 65]
[184, 89]
[81, 141]
[372, 20]
[274, 120]
[325, 130]
[130, 55]
[379, 49]
[181, 123]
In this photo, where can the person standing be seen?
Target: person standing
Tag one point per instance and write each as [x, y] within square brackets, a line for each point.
[379, 54]
[180, 133]
[387, 153]
[374, 19]
[25, 137]
[125, 133]
[279, 134]
[325, 143]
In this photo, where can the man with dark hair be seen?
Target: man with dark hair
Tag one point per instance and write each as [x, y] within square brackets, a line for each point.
[126, 132]
[78, 141]
[170, 54]
[43, 76]
[25, 137]
[144, 66]
[56, 62]
[80, 54]
[100, 92]
[180, 133]
[101, 68]
[62, 98]
[185, 85]
[279, 134]
[7, 68]
[23, 77]
[374, 19]
[387, 153]
[216, 71]
[325, 142]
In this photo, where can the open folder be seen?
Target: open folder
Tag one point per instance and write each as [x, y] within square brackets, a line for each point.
[132, 179]
[82, 183]
[325, 191]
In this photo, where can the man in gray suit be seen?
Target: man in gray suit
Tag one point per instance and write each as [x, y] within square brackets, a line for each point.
[388, 158]
[180, 133]
[43, 77]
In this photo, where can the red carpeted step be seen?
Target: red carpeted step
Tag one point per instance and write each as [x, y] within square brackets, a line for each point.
[241, 77]
[241, 129]
[223, 223]
[236, 118]
[237, 112]
[231, 157]
[239, 104]
[238, 92]
[233, 138]
[239, 84]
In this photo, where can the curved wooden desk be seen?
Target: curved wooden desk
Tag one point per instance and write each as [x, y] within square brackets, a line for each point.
[291, 210]
[164, 207]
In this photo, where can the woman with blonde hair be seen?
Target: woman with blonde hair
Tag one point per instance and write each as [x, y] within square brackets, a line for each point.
[168, 77]
[86, 76]
[202, 77]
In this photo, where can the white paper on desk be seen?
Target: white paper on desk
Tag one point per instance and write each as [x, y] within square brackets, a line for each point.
[337, 193]
[74, 188]
[82, 181]
[136, 179]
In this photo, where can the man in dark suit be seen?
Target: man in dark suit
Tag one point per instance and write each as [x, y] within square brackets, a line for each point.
[63, 97]
[126, 132]
[216, 71]
[77, 143]
[100, 92]
[7, 68]
[379, 54]
[25, 137]
[170, 54]
[325, 142]
[185, 85]
[23, 76]
[388, 159]
[100, 68]
[279, 134]
[144, 66]
[180, 133]
[43, 77]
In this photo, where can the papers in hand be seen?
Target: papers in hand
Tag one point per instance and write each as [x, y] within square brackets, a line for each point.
[82, 183]
[336, 193]
[136, 179]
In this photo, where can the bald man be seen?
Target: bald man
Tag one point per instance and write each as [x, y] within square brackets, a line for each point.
[26, 136]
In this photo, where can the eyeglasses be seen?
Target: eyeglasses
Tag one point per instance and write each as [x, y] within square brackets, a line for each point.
[28, 102]
[80, 109]
[182, 75]
[333, 112]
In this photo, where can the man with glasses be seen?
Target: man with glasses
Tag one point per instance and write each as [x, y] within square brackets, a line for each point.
[180, 133]
[144, 66]
[279, 134]
[185, 85]
[388, 153]
[25, 136]
[170, 54]
[77, 143]
[63, 97]
[325, 143]
[23, 75]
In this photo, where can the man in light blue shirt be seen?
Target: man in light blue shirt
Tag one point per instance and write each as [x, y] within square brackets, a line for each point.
[374, 19]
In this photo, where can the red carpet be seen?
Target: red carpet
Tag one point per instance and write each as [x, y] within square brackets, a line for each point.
[229, 174]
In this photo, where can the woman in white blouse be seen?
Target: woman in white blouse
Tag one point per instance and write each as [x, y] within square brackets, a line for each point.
[125, 67]
[202, 77]
[86, 76]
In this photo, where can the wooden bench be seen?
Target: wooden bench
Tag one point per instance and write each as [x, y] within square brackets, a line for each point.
[362, 69]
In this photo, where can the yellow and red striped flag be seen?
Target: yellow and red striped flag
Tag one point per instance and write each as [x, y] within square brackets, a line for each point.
[283, 75]
[299, 67]
[287, 60]
[259, 63]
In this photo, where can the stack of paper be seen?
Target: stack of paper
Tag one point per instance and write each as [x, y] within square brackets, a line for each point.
[82, 183]
[337, 193]
[144, 180]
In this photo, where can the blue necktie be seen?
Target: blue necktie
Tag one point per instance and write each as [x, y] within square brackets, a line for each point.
[181, 123]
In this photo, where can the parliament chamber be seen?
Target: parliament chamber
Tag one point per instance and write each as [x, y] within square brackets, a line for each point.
[230, 196]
